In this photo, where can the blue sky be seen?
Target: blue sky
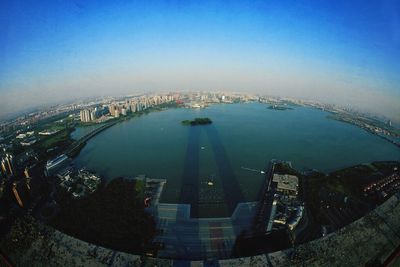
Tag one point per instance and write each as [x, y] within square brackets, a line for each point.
[345, 52]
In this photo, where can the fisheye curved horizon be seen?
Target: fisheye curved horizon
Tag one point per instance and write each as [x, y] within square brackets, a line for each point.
[199, 133]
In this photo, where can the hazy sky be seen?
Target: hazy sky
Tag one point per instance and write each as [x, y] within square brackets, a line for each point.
[344, 52]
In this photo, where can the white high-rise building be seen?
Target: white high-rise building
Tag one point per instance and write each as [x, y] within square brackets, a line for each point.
[93, 115]
[85, 115]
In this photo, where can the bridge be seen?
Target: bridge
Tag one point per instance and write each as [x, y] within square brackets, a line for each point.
[77, 145]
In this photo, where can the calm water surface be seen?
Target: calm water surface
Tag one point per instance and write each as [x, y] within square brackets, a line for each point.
[242, 135]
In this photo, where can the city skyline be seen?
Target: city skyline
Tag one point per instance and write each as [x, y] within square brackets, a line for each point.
[337, 52]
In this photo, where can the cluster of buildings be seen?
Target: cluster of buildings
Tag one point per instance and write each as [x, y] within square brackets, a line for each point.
[18, 185]
[77, 183]
[203, 99]
[287, 210]
[383, 188]
[11, 126]
[27, 138]
[116, 109]
[88, 115]
[138, 104]
[80, 183]
[7, 166]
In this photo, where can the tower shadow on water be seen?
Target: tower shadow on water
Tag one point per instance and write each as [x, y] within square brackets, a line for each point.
[233, 193]
[190, 179]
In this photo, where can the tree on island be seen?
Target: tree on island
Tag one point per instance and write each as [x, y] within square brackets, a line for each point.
[197, 121]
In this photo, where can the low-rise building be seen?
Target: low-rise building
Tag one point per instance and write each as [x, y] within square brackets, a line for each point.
[54, 165]
[287, 184]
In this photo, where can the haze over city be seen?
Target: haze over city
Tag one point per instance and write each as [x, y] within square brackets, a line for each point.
[199, 133]
[335, 51]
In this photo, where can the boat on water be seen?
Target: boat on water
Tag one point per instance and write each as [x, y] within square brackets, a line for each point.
[210, 181]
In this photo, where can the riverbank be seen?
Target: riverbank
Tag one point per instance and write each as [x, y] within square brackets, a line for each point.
[371, 126]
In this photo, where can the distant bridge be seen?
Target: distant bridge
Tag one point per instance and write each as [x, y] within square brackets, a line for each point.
[75, 146]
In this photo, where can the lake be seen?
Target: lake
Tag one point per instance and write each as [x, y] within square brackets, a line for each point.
[241, 135]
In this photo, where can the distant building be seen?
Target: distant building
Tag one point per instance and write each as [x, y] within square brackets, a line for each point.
[93, 115]
[133, 107]
[48, 132]
[17, 196]
[112, 109]
[3, 167]
[116, 113]
[29, 141]
[21, 136]
[85, 115]
[7, 165]
[26, 172]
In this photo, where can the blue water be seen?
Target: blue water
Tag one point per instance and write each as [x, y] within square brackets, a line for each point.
[248, 135]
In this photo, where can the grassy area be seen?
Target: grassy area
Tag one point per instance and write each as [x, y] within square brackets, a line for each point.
[91, 123]
[140, 188]
[59, 138]
[54, 123]
[346, 182]
[285, 168]
[60, 141]
[337, 186]
[386, 167]
[351, 180]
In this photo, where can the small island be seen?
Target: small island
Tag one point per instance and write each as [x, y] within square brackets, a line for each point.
[276, 107]
[197, 121]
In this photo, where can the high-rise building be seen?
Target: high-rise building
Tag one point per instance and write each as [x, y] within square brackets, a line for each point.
[3, 166]
[16, 195]
[112, 109]
[133, 107]
[28, 178]
[7, 165]
[93, 115]
[85, 115]
[26, 172]
[2, 187]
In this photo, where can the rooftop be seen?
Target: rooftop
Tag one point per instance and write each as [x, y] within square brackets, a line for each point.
[286, 181]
